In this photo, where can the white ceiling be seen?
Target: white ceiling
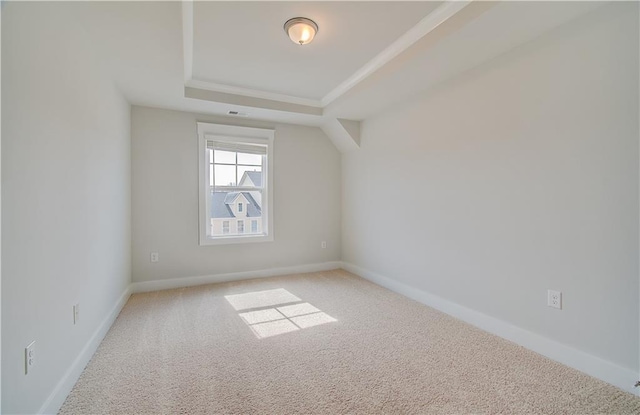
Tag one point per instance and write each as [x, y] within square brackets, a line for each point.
[155, 50]
[243, 44]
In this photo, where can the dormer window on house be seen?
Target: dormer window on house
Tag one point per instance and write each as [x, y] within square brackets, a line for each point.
[235, 184]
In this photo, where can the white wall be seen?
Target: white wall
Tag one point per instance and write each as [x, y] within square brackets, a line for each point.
[165, 199]
[524, 174]
[0, 215]
[65, 198]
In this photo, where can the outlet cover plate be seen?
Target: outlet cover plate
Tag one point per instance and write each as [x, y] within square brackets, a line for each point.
[554, 299]
[29, 357]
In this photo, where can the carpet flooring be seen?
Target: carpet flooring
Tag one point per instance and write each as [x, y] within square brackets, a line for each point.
[319, 343]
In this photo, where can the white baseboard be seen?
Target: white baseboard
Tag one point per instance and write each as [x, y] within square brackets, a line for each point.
[592, 365]
[63, 388]
[156, 285]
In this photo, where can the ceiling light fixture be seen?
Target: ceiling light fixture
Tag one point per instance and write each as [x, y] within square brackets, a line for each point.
[301, 30]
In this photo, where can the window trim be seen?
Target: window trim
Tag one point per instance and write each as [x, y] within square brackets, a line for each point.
[233, 133]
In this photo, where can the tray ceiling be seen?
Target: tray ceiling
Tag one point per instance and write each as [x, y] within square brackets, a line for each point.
[243, 44]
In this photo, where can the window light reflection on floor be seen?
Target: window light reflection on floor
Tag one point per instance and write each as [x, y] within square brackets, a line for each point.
[273, 312]
[258, 299]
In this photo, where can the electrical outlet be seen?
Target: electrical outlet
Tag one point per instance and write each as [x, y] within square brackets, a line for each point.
[155, 257]
[554, 299]
[323, 244]
[29, 357]
[76, 313]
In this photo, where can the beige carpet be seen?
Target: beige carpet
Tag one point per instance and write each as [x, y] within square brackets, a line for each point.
[320, 343]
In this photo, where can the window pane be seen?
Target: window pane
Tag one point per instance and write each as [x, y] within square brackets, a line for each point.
[252, 159]
[235, 171]
[227, 157]
[225, 175]
[252, 179]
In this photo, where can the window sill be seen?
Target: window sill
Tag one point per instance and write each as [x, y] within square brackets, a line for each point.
[235, 239]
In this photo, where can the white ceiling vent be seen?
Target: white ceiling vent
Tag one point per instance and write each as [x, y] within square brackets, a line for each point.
[237, 113]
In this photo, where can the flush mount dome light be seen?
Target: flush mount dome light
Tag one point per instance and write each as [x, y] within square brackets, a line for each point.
[301, 30]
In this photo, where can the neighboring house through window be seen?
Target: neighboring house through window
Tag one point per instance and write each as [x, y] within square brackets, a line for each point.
[235, 171]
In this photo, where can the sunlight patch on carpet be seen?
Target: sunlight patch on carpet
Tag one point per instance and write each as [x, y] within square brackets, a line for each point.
[311, 320]
[261, 316]
[259, 299]
[265, 320]
[273, 328]
[298, 309]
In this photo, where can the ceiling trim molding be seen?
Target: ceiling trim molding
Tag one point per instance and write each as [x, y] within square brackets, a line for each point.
[434, 19]
[190, 82]
[252, 93]
[249, 102]
[187, 38]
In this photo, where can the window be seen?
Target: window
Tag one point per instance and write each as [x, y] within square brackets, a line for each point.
[235, 182]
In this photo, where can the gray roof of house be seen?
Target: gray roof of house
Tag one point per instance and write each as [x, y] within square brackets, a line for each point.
[256, 177]
[219, 209]
[231, 197]
[220, 204]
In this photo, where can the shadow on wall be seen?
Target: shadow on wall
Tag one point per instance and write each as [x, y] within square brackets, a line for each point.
[274, 312]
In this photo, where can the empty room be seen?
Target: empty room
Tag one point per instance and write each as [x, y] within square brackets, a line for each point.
[320, 207]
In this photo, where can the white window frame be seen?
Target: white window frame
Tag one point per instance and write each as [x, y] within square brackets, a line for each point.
[235, 134]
